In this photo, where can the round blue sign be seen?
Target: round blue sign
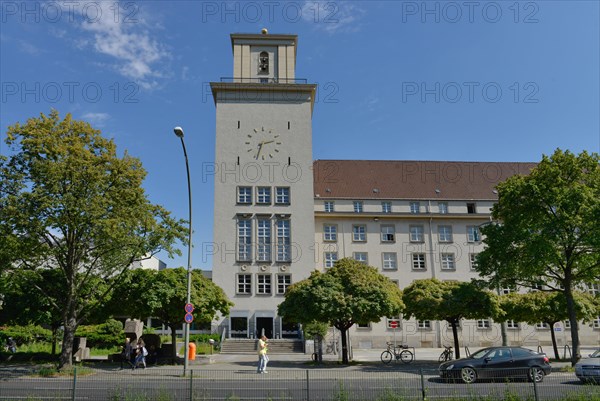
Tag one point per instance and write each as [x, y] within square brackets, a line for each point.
[189, 318]
[189, 308]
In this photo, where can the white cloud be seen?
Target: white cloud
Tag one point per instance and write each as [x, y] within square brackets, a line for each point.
[333, 17]
[97, 119]
[138, 56]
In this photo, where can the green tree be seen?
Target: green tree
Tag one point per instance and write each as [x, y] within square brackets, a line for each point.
[350, 292]
[69, 203]
[547, 307]
[431, 299]
[162, 294]
[546, 229]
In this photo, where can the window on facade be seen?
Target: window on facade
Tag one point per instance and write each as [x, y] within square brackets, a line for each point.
[511, 324]
[263, 195]
[393, 319]
[541, 326]
[359, 233]
[505, 290]
[473, 234]
[329, 232]
[471, 208]
[567, 324]
[390, 260]
[263, 248]
[594, 289]
[361, 257]
[244, 240]
[263, 284]
[283, 282]
[445, 233]
[329, 206]
[263, 63]
[388, 233]
[447, 260]
[358, 206]
[424, 324]
[443, 207]
[415, 207]
[330, 258]
[473, 261]
[284, 242]
[484, 324]
[386, 207]
[418, 261]
[244, 195]
[244, 284]
[596, 323]
[282, 195]
[416, 233]
[539, 286]
[363, 325]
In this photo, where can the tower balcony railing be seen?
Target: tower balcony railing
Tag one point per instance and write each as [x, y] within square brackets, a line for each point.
[265, 80]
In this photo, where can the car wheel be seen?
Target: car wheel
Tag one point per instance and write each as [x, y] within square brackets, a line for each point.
[536, 374]
[468, 375]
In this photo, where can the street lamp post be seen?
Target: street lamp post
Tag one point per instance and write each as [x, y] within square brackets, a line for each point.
[179, 132]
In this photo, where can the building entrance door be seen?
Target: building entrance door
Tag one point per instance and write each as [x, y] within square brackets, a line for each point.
[264, 325]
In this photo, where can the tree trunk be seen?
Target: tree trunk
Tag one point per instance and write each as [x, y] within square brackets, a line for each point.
[455, 335]
[319, 350]
[553, 336]
[574, 326]
[173, 328]
[66, 355]
[54, 338]
[343, 330]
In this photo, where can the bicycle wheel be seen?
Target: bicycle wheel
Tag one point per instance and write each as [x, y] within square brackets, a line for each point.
[443, 357]
[386, 357]
[406, 356]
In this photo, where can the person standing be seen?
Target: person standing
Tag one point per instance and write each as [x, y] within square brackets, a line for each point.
[126, 353]
[141, 354]
[263, 359]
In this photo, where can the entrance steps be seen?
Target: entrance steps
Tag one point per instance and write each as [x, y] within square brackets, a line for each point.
[250, 346]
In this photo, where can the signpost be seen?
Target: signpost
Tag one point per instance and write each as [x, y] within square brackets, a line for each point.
[394, 325]
[189, 318]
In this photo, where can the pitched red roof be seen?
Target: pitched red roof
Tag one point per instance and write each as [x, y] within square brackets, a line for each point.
[399, 179]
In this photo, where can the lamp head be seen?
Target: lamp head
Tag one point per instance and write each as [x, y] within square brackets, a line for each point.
[178, 131]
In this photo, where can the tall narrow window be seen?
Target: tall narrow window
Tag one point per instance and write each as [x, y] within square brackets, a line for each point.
[388, 233]
[283, 282]
[263, 63]
[330, 232]
[282, 195]
[263, 195]
[471, 208]
[329, 206]
[473, 234]
[284, 252]
[386, 207]
[443, 207]
[244, 195]
[358, 206]
[263, 252]
[330, 258]
[244, 284]
[416, 233]
[445, 233]
[244, 240]
[359, 233]
[415, 207]
[473, 261]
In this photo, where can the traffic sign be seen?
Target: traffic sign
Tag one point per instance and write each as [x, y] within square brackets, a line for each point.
[189, 308]
[189, 318]
[393, 324]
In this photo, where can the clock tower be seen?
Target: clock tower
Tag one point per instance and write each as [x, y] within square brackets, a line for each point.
[263, 211]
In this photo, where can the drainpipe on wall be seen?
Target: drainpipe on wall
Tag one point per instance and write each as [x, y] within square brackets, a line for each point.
[438, 329]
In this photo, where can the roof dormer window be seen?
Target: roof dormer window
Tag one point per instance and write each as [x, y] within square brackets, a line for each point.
[263, 63]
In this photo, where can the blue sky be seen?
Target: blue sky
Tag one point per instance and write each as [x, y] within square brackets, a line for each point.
[407, 80]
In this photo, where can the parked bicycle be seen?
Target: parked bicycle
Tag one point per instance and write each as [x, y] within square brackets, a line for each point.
[446, 355]
[399, 353]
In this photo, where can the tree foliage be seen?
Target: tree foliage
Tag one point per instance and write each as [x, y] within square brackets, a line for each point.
[348, 293]
[547, 229]
[431, 299]
[547, 307]
[162, 294]
[69, 203]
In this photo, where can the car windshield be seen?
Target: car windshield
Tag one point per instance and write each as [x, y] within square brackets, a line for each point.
[480, 354]
[596, 354]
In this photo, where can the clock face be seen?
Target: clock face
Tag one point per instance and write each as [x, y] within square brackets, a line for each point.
[263, 143]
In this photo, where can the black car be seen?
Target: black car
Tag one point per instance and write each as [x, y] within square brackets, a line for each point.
[498, 362]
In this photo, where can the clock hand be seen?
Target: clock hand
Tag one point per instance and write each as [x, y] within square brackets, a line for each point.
[264, 142]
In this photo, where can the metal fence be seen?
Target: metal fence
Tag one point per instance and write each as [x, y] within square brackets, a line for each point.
[370, 383]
